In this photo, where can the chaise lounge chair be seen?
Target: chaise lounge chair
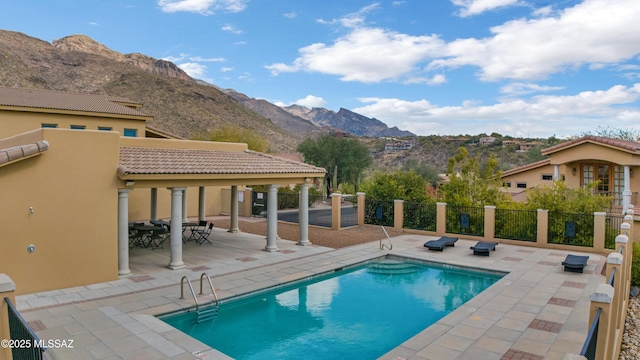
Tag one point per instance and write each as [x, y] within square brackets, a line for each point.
[483, 247]
[575, 263]
[438, 245]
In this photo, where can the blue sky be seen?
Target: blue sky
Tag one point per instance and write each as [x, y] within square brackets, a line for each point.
[526, 68]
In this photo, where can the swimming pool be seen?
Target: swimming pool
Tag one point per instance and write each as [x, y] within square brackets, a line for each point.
[359, 312]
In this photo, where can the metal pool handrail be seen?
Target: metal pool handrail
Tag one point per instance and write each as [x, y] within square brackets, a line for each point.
[382, 246]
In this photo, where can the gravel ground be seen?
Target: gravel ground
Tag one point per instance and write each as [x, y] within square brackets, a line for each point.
[630, 349]
[317, 235]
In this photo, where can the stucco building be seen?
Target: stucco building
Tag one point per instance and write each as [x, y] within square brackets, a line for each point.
[578, 162]
[75, 169]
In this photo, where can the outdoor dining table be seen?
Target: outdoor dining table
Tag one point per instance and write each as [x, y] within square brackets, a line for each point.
[191, 226]
[149, 236]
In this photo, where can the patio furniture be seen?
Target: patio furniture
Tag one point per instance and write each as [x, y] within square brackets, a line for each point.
[439, 244]
[203, 235]
[192, 226]
[484, 247]
[575, 263]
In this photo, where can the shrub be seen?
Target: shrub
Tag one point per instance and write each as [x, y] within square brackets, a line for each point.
[635, 265]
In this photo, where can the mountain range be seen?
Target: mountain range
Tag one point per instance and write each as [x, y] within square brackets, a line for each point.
[179, 103]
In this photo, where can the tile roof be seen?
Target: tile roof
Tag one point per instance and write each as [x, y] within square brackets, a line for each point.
[22, 151]
[621, 144]
[58, 100]
[140, 160]
[522, 168]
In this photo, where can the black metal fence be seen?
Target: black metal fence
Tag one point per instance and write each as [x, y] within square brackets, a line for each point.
[21, 333]
[516, 224]
[420, 216]
[571, 229]
[612, 230]
[465, 220]
[378, 212]
[589, 348]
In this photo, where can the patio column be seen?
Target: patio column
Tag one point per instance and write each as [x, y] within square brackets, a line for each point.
[272, 218]
[184, 205]
[123, 231]
[176, 228]
[233, 225]
[153, 211]
[626, 193]
[202, 200]
[556, 172]
[303, 215]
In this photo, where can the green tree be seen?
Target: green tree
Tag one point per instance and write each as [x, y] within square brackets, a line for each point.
[472, 183]
[346, 155]
[560, 198]
[237, 134]
[429, 173]
[398, 185]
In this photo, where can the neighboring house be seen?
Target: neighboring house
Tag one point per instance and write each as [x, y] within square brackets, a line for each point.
[485, 140]
[582, 161]
[75, 169]
[398, 145]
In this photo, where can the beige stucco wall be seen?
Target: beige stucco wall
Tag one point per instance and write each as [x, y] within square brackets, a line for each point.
[72, 188]
[140, 202]
[533, 178]
[17, 122]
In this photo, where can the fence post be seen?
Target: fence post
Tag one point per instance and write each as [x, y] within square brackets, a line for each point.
[361, 199]
[628, 218]
[336, 213]
[441, 218]
[602, 298]
[615, 261]
[398, 214]
[7, 290]
[599, 225]
[542, 227]
[627, 253]
[489, 222]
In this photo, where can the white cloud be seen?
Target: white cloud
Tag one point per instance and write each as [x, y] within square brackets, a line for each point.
[290, 15]
[195, 70]
[93, 23]
[232, 29]
[595, 31]
[520, 88]
[368, 55]
[354, 19]
[198, 58]
[538, 116]
[204, 7]
[475, 7]
[311, 101]
[226, 69]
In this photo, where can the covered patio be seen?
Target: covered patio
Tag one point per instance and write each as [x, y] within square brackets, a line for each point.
[176, 169]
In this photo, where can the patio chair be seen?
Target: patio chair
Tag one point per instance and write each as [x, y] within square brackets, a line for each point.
[575, 263]
[200, 236]
[484, 247]
[439, 244]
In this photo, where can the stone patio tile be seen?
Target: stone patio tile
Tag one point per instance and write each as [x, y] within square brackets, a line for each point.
[469, 332]
[169, 349]
[454, 342]
[438, 352]
[531, 346]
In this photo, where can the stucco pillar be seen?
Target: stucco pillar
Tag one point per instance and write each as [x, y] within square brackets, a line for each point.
[303, 215]
[184, 205]
[602, 298]
[7, 290]
[153, 204]
[202, 202]
[272, 218]
[233, 226]
[489, 222]
[176, 228]
[361, 200]
[626, 193]
[441, 218]
[599, 227]
[556, 172]
[398, 214]
[542, 225]
[336, 213]
[123, 231]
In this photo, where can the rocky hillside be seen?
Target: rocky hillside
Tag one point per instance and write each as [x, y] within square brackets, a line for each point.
[348, 121]
[178, 104]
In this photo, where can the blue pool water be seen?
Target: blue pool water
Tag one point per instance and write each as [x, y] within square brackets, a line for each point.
[357, 313]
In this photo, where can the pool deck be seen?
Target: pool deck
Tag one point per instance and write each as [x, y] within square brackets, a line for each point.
[536, 311]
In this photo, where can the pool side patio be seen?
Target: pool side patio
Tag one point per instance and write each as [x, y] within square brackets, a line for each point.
[537, 311]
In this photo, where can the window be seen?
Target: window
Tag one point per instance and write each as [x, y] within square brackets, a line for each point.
[50, 126]
[78, 127]
[521, 185]
[130, 132]
[105, 128]
[610, 179]
[547, 177]
[506, 184]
